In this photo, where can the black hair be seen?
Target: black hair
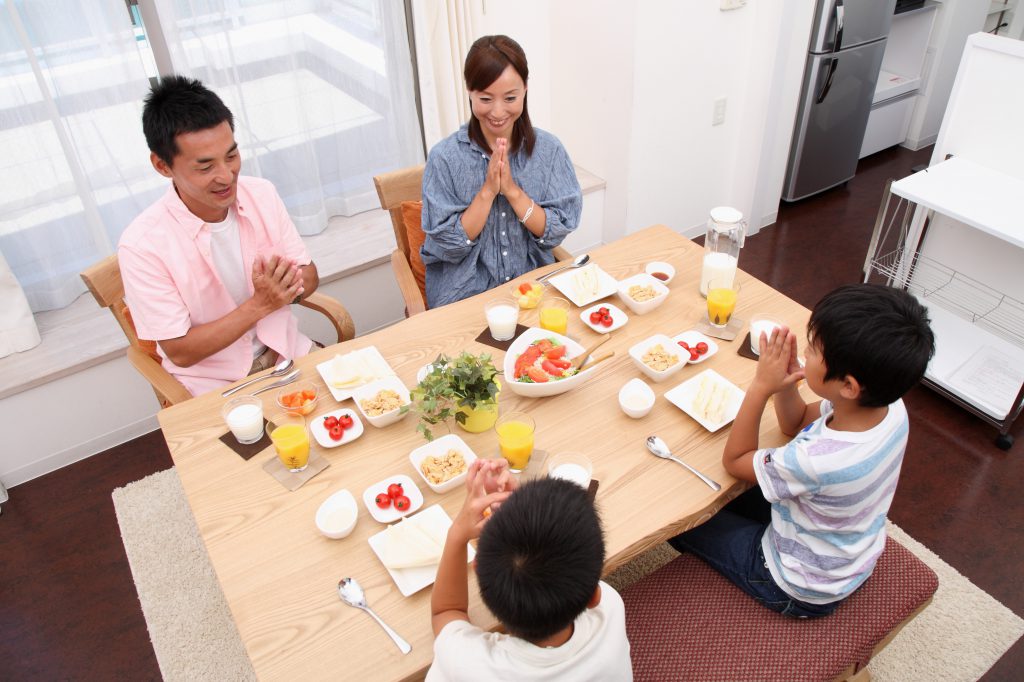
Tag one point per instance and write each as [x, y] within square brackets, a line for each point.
[486, 60]
[877, 334]
[540, 557]
[179, 105]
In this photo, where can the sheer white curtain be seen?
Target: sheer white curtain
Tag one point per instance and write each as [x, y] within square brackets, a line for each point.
[322, 92]
[445, 30]
[74, 168]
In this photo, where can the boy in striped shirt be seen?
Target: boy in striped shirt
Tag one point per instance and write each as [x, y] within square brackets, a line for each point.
[810, 532]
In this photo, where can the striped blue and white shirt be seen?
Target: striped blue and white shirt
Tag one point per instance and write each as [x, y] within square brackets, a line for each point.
[458, 267]
[830, 492]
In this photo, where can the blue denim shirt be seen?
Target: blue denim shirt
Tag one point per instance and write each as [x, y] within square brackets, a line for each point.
[458, 267]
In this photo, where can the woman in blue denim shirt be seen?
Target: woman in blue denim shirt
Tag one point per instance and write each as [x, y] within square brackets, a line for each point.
[498, 194]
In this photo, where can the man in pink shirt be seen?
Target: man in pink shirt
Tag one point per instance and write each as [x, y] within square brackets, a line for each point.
[210, 268]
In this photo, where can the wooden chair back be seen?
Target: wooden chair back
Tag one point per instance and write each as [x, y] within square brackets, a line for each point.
[104, 282]
[395, 187]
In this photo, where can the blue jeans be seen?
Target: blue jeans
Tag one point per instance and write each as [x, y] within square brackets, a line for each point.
[730, 542]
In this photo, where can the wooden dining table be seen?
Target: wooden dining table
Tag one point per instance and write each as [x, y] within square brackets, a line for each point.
[280, 575]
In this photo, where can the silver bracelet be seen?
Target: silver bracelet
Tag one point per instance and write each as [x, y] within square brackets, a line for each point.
[529, 212]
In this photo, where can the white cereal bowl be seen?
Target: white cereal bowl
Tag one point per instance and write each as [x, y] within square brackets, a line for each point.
[438, 448]
[636, 398]
[340, 502]
[638, 350]
[662, 267]
[551, 387]
[643, 279]
[369, 390]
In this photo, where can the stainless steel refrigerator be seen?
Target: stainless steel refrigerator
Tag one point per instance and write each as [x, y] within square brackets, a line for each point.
[844, 56]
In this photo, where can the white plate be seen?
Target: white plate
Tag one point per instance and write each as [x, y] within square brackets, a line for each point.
[693, 337]
[606, 286]
[439, 447]
[682, 395]
[411, 580]
[619, 318]
[390, 514]
[324, 368]
[316, 425]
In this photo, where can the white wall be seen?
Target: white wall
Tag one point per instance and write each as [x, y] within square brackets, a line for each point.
[632, 89]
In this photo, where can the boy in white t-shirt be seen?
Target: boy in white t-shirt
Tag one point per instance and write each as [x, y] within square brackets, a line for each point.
[538, 566]
[809, 534]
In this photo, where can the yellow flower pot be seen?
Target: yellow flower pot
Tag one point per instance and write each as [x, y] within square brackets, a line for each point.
[481, 418]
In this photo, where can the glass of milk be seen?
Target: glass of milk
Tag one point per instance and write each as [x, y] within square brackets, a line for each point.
[502, 317]
[761, 323]
[571, 466]
[244, 416]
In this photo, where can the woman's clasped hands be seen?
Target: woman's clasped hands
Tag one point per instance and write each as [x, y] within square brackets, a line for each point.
[499, 173]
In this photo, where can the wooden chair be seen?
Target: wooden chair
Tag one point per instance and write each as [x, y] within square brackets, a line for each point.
[393, 188]
[687, 622]
[104, 281]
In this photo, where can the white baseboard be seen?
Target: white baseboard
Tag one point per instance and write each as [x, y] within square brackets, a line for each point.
[80, 451]
[916, 144]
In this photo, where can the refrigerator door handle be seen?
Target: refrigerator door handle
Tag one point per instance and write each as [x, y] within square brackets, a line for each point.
[840, 20]
[833, 63]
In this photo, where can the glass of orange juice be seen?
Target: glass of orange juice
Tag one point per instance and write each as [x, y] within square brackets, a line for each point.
[722, 294]
[554, 314]
[290, 436]
[515, 438]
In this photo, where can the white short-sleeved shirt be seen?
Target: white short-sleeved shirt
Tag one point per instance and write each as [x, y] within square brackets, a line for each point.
[598, 650]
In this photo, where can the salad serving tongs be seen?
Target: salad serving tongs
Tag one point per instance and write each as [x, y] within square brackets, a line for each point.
[582, 358]
[598, 360]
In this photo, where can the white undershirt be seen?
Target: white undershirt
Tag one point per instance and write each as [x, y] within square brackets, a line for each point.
[226, 251]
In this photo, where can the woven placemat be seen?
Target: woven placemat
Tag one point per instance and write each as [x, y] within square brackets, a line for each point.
[726, 333]
[291, 481]
[249, 451]
[486, 338]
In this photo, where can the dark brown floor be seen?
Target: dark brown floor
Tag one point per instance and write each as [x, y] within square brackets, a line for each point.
[68, 607]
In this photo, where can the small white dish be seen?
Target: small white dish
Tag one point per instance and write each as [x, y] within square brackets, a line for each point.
[371, 389]
[658, 267]
[571, 466]
[337, 515]
[566, 283]
[636, 398]
[682, 396]
[370, 356]
[323, 437]
[438, 448]
[692, 338]
[638, 350]
[391, 514]
[411, 580]
[619, 318]
[643, 280]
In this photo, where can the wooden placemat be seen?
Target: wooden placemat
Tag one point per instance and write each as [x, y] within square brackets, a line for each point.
[291, 481]
[247, 452]
[744, 349]
[486, 338]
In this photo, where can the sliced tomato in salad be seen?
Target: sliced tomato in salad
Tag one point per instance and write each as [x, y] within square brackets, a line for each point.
[555, 353]
[536, 374]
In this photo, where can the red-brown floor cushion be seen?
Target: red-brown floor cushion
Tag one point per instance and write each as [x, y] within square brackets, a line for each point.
[686, 622]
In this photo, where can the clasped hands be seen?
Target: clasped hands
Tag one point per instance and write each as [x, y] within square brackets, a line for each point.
[777, 367]
[488, 483]
[276, 282]
[499, 174]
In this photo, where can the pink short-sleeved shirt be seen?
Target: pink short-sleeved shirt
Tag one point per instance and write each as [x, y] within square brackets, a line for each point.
[171, 283]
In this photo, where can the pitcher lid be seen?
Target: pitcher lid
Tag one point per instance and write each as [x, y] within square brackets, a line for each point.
[726, 214]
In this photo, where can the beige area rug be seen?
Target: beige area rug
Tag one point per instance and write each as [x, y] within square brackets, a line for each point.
[957, 638]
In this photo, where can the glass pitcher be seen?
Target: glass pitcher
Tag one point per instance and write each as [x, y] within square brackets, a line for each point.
[722, 244]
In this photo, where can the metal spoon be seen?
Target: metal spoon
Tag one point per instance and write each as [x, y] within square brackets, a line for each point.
[352, 594]
[577, 262]
[281, 368]
[287, 379]
[657, 447]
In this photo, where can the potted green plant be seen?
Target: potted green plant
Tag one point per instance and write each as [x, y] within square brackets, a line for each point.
[464, 387]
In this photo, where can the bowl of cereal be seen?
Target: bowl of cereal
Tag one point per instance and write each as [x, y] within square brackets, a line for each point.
[642, 293]
[381, 401]
[443, 462]
[658, 356]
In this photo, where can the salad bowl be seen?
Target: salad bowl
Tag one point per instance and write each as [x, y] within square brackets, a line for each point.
[547, 388]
